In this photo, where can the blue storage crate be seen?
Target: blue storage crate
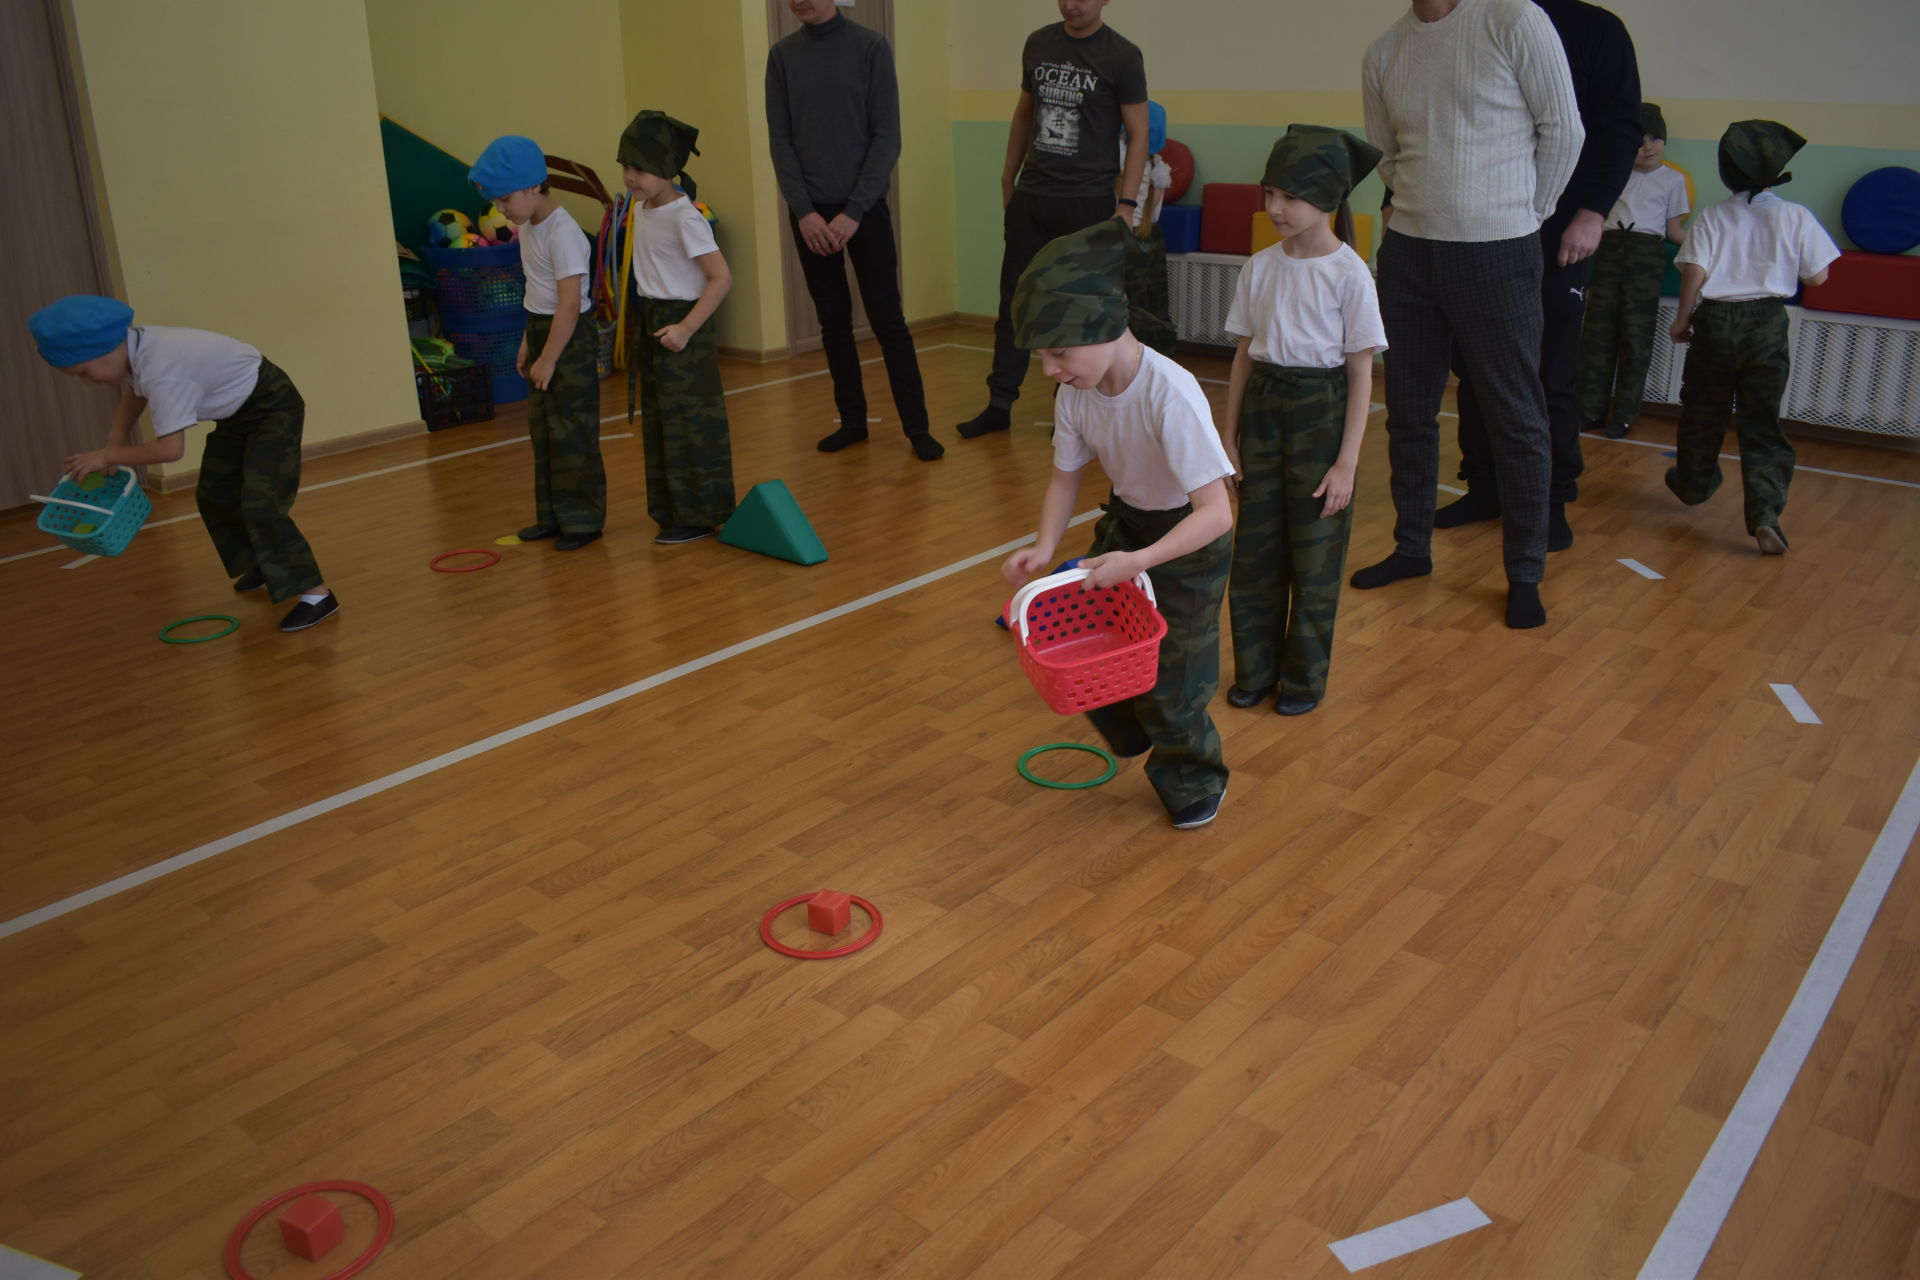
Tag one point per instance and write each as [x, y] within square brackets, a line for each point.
[97, 516]
[492, 340]
[1180, 227]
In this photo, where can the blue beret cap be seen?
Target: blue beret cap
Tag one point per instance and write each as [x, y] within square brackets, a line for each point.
[510, 163]
[77, 329]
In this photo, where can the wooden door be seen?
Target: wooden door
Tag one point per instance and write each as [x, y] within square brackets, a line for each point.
[52, 248]
[803, 325]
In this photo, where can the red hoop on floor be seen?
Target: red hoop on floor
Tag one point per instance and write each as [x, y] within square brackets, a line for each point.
[492, 558]
[382, 1233]
[865, 939]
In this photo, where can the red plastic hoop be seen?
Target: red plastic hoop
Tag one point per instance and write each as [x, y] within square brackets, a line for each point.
[845, 949]
[382, 1233]
[492, 558]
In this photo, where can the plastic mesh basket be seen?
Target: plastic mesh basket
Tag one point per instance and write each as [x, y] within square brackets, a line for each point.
[492, 340]
[477, 281]
[97, 516]
[1085, 649]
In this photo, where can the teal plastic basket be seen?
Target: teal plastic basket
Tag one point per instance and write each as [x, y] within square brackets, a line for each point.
[110, 513]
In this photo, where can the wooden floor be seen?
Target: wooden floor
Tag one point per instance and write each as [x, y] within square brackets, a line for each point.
[1511, 916]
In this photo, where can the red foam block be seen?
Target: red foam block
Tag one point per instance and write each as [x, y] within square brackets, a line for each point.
[311, 1227]
[1226, 216]
[1869, 284]
[828, 912]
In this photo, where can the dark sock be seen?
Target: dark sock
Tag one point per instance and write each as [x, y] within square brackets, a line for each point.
[1524, 609]
[1559, 532]
[1392, 569]
[841, 438]
[988, 421]
[1465, 509]
[925, 447]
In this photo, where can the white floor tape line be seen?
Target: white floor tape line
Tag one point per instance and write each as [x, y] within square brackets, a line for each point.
[1734, 457]
[213, 849]
[1397, 1239]
[1447, 488]
[1796, 706]
[75, 564]
[1689, 1235]
[1643, 571]
[15, 1265]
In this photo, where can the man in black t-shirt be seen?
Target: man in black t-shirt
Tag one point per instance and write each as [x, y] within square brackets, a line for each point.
[1082, 84]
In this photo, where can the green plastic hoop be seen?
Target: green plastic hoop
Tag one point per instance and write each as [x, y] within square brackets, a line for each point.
[166, 632]
[1113, 766]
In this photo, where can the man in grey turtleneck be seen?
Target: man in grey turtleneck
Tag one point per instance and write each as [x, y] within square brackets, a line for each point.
[833, 120]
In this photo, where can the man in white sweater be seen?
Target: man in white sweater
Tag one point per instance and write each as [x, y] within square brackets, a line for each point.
[1472, 106]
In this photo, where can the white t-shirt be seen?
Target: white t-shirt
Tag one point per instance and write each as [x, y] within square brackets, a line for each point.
[1306, 313]
[550, 251]
[1648, 201]
[1758, 250]
[189, 375]
[665, 243]
[1155, 440]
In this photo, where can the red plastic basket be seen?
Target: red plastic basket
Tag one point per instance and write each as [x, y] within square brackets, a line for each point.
[1085, 649]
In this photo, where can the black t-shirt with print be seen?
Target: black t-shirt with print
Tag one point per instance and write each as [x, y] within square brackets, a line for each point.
[1078, 88]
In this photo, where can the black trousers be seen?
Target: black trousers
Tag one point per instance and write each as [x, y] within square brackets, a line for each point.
[1031, 221]
[876, 266]
[1563, 305]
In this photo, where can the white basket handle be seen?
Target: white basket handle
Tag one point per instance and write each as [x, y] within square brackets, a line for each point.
[1025, 595]
[84, 506]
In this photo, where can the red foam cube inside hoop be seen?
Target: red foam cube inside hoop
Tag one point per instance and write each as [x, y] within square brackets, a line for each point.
[829, 912]
[311, 1227]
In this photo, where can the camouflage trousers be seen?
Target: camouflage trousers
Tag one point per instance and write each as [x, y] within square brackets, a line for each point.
[1616, 340]
[1288, 559]
[1736, 368]
[1148, 298]
[683, 420]
[569, 479]
[1185, 763]
[249, 476]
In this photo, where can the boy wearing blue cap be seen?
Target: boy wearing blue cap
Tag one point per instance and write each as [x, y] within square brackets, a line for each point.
[250, 471]
[563, 408]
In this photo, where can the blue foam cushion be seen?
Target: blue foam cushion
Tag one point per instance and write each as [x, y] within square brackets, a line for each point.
[1881, 213]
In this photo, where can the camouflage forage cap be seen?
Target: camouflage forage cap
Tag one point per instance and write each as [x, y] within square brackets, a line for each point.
[1652, 123]
[656, 143]
[1754, 154]
[1319, 165]
[1074, 292]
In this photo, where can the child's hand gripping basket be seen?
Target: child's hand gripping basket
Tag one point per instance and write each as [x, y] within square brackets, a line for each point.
[98, 515]
[1085, 649]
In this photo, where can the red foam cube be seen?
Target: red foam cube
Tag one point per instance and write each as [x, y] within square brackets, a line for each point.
[1226, 216]
[828, 912]
[312, 1227]
[1869, 284]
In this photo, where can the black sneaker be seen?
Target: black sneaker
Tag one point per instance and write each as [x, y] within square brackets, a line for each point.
[1243, 698]
[307, 612]
[537, 533]
[1618, 430]
[925, 447]
[1293, 704]
[575, 541]
[686, 533]
[1199, 813]
[985, 423]
[251, 580]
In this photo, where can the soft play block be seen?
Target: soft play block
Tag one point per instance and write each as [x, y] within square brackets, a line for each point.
[1180, 227]
[312, 1227]
[769, 520]
[1264, 235]
[1226, 216]
[1869, 284]
[829, 911]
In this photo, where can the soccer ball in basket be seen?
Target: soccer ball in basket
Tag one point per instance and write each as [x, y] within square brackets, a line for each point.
[447, 228]
[497, 228]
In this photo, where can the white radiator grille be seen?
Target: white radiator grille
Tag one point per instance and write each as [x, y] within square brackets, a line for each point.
[1201, 288]
[1856, 372]
[1663, 371]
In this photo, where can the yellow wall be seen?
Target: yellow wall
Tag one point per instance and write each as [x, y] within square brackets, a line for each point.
[923, 39]
[239, 153]
[460, 76]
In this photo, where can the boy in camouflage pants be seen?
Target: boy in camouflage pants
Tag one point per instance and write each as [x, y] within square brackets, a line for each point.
[1741, 261]
[1145, 420]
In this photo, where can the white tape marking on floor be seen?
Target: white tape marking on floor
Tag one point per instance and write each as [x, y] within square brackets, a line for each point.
[1447, 488]
[1397, 1239]
[1796, 706]
[1643, 571]
[75, 564]
[212, 849]
[1689, 1235]
[1734, 457]
[15, 1265]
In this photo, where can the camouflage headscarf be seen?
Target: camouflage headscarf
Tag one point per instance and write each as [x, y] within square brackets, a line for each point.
[1319, 165]
[1754, 154]
[1652, 123]
[1074, 292]
[656, 143]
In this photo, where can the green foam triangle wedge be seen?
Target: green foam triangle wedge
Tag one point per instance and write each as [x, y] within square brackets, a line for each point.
[769, 521]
